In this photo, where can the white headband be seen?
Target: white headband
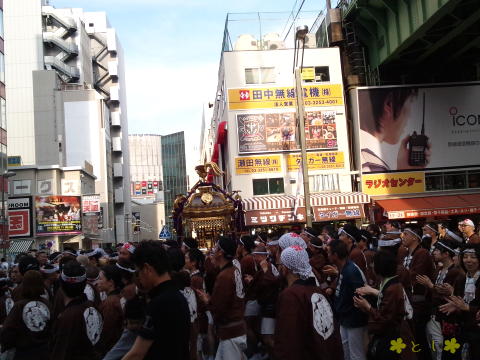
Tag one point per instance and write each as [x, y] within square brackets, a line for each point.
[439, 243]
[129, 247]
[428, 226]
[125, 268]
[49, 271]
[393, 242]
[413, 233]
[260, 252]
[73, 279]
[454, 236]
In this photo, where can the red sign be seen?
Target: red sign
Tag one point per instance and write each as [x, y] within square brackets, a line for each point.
[144, 184]
[274, 216]
[286, 216]
[338, 212]
[155, 184]
[409, 214]
[244, 95]
[90, 204]
[19, 223]
[19, 217]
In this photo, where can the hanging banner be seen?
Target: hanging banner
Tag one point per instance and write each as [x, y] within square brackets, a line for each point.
[274, 132]
[393, 183]
[258, 164]
[317, 160]
[284, 97]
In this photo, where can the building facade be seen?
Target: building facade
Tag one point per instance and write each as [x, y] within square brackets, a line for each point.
[146, 166]
[3, 139]
[45, 208]
[174, 171]
[254, 125]
[66, 72]
[420, 168]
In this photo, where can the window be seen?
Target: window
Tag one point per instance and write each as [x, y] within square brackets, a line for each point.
[474, 179]
[437, 181]
[268, 186]
[1, 24]
[2, 67]
[262, 75]
[316, 74]
[434, 182]
[455, 180]
[3, 113]
[21, 187]
[325, 182]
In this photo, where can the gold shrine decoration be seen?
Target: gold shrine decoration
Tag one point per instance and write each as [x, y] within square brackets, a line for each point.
[202, 170]
[208, 212]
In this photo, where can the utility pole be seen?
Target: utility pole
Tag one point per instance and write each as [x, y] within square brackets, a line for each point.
[301, 32]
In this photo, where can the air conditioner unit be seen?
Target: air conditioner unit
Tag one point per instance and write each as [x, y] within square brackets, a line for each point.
[245, 42]
[274, 45]
[310, 41]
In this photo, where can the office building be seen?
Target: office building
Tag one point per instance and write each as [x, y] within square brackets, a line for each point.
[254, 124]
[146, 167]
[68, 102]
[174, 170]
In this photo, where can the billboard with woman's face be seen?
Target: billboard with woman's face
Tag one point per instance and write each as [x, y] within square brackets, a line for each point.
[414, 128]
[58, 215]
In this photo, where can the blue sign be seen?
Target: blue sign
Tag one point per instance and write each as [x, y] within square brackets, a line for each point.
[165, 233]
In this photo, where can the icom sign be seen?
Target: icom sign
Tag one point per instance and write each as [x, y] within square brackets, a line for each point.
[20, 217]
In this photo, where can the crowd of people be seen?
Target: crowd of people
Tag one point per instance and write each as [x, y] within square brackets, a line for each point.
[403, 292]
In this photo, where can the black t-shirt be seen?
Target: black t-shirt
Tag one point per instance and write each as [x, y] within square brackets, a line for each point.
[167, 323]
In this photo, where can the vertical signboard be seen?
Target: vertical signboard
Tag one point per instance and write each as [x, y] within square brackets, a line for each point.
[20, 217]
[91, 214]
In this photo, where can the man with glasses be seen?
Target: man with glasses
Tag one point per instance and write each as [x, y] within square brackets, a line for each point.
[467, 227]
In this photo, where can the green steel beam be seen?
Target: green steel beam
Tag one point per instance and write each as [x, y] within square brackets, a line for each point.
[465, 24]
[401, 23]
[473, 44]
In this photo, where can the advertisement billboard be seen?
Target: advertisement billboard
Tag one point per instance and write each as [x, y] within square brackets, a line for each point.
[257, 164]
[58, 215]
[91, 203]
[91, 214]
[20, 217]
[273, 132]
[420, 127]
[281, 97]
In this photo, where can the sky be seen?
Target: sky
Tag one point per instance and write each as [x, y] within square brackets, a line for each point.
[172, 51]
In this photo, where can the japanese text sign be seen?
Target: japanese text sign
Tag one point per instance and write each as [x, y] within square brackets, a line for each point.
[317, 160]
[393, 183]
[258, 164]
[281, 97]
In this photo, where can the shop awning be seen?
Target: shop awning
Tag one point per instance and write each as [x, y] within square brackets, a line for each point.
[282, 209]
[19, 246]
[320, 199]
[431, 206]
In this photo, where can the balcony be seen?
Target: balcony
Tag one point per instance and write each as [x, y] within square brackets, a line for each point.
[115, 115]
[118, 170]
[119, 196]
[116, 143]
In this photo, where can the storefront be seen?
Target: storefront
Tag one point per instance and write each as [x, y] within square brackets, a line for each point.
[287, 210]
[431, 207]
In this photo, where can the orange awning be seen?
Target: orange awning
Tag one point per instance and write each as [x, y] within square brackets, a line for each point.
[431, 206]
